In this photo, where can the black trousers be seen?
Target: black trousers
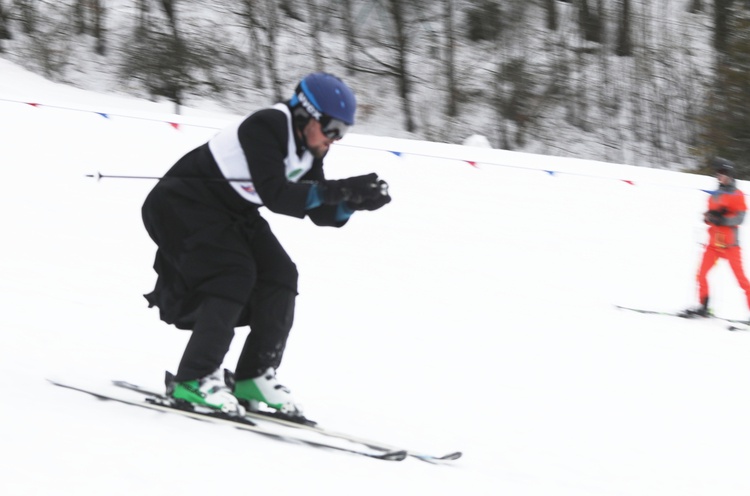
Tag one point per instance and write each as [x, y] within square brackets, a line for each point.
[218, 270]
[271, 315]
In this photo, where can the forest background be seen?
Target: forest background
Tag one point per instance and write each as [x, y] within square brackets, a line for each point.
[661, 84]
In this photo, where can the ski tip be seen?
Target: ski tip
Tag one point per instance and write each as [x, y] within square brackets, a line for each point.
[395, 456]
[437, 459]
[452, 456]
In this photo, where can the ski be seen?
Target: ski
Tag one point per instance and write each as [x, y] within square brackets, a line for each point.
[163, 404]
[314, 427]
[650, 312]
[731, 324]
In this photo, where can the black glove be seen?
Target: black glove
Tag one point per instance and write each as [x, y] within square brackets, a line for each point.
[373, 203]
[714, 217]
[353, 189]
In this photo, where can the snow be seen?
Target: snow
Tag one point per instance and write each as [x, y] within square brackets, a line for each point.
[473, 313]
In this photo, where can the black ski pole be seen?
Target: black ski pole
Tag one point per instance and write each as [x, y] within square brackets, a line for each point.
[99, 176]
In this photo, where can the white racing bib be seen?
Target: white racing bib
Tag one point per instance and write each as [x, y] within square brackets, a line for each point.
[228, 153]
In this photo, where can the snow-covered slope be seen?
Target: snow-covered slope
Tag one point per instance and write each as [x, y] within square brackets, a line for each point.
[474, 313]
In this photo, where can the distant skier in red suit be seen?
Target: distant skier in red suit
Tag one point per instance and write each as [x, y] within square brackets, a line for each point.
[726, 211]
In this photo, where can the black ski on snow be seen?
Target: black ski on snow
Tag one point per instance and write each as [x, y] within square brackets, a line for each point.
[312, 426]
[731, 324]
[163, 404]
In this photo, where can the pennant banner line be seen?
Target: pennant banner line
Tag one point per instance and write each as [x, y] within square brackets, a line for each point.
[400, 154]
[174, 123]
[550, 172]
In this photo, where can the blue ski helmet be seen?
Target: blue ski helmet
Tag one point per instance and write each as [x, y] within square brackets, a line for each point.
[321, 94]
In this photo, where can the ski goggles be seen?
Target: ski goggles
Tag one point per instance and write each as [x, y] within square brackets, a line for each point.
[332, 128]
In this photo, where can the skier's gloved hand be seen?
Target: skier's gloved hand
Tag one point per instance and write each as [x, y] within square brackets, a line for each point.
[353, 189]
[714, 217]
[382, 199]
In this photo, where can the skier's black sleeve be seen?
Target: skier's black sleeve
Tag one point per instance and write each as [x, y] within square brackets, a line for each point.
[324, 215]
[264, 139]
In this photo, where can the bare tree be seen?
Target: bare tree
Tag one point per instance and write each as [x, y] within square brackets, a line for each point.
[313, 17]
[485, 20]
[397, 12]
[171, 61]
[79, 16]
[262, 21]
[88, 18]
[450, 55]
[721, 24]
[288, 7]
[624, 41]
[513, 98]
[727, 116]
[28, 15]
[271, 29]
[97, 7]
[590, 21]
[5, 33]
[143, 7]
[347, 20]
[169, 9]
[551, 7]
[255, 60]
[400, 20]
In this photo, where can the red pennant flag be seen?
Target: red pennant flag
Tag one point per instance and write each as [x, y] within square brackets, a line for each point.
[628, 181]
[33, 104]
[175, 125]
[471, 163]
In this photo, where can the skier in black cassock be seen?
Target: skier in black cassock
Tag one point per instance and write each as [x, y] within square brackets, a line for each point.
[219, 265]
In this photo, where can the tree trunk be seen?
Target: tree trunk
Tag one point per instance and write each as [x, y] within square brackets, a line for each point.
[256, 44]
[347, 20]
[721, 24]
[313, 17]
[624, 42]
[79, 16]
[4, 29]
[5, 33]
[263, 19]
[589, 22]
[174, 87]
[169, 9]
[28, 15]
[272, 16]
[395, 9]
[551, 7]
[450, 62]
[143, 9]
[98, 8]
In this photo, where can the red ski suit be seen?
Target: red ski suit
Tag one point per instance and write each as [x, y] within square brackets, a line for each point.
[726, 211]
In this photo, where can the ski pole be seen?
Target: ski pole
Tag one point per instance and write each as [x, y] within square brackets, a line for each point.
[99, 176]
